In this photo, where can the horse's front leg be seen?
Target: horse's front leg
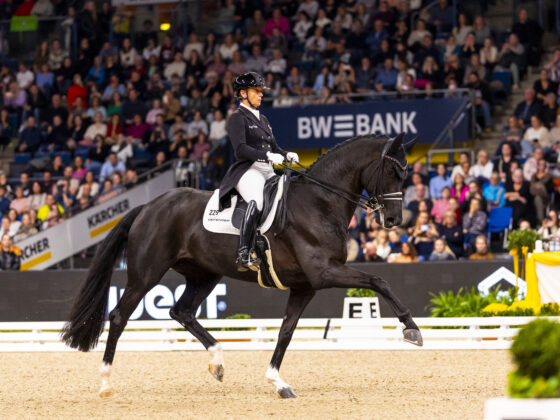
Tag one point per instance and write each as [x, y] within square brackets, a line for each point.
[297, 302]
[346, 277]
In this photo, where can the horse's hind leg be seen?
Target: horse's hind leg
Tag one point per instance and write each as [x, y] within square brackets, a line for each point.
[184, 311]
[135, 290]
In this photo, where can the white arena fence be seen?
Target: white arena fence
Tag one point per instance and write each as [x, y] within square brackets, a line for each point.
[261, 334]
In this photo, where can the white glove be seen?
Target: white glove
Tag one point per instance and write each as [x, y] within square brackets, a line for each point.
[275, 158]
[292, 156]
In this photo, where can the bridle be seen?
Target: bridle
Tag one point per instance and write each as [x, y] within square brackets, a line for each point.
[376, 202]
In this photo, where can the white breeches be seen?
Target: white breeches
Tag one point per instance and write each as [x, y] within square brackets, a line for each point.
[251, 184]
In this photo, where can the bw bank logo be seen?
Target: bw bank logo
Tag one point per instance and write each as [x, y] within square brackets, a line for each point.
[350, 125]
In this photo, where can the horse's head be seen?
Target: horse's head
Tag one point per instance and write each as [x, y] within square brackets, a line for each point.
[384, 181]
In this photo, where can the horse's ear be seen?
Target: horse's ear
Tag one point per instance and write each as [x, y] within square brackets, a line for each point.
[396, 144]
[409, 145]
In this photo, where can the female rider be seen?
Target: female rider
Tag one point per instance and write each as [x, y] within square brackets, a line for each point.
[255, 152]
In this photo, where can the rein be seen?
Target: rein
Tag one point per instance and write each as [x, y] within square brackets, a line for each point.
[373, 203]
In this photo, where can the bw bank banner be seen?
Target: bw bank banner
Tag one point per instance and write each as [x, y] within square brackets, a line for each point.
[323, 126]
[89, 227]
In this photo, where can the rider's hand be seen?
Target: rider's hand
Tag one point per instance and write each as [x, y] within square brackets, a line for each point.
[292, 156]
[275, 158]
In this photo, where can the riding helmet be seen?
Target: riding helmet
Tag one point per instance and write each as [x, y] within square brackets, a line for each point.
[248, 80]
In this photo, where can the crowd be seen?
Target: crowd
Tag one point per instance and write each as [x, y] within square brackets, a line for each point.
[126, 98]
[446, 214]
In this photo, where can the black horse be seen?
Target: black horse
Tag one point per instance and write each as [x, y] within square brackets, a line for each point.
[309, 255]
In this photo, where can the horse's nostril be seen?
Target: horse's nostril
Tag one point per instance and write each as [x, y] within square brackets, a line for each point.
[391, 221]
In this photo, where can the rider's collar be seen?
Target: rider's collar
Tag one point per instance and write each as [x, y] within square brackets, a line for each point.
[255, 112]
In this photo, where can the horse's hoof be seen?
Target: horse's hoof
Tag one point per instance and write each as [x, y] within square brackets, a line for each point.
[217, 371]
[286, 393]
[106, 391]
[413, 336]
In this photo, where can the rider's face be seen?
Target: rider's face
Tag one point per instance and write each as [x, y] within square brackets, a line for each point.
[255, 96]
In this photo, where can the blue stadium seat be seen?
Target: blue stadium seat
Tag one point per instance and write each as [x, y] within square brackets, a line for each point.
[22, 157]
[504, 77]
[82, 151]
[40, 155]
[142, 154]
[65, 156]
[500, 220]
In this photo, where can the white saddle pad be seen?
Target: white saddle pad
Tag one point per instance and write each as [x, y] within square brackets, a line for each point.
[220, 221]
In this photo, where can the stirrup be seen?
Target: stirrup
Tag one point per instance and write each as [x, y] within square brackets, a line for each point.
[247, 260]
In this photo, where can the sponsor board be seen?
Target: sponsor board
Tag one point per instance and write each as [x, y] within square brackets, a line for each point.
[61, 241]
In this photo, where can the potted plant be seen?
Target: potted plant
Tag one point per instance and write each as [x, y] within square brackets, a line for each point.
[534, 386]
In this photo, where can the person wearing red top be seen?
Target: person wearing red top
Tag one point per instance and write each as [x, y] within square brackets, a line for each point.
[114, 128]
[77, 90]
[277, 21]
[24, 9]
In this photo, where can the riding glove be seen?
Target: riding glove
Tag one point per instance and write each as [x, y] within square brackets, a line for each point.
[275, 158]
[292, 156]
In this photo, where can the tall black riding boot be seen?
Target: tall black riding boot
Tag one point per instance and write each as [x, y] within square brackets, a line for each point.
[246, 237]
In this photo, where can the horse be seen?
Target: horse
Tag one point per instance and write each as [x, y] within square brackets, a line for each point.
[309, 255]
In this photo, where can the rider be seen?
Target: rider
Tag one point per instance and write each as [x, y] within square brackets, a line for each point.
[255, 152]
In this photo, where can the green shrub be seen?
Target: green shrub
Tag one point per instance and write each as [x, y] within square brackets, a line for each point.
[463, 304]
[550, 309]
[237, 316]
[520, 386]
[536, 349]
[512, 312]
[517, 239]
[360, 293]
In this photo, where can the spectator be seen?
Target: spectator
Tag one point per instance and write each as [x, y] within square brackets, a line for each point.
[549, 114]
[24, 76]
[4, 201]
[464, 159]
[482, 98]
[441, 16]
[20, 203]
[138, 129]
[537, 133]
[449, 50]
[512, 57]
[462, 29]
[417, 35]
[504, 163]
[452, 233]
[541, 189]
[529, 34]
[407, 255]
[95, 129]
[483, 168]
[108, 192]
[481, 249]
[550, 226]
[424, 235]
[441, 252]
[459, 189]
[441, 205]
[474, 192]
[488, 54]
[133, 105]
[481, 30]
[26, 229]
[413, 192]
[543, 86]
[77, 90]
[15, 98]
[387, 77]
[474, 222]
[439, 182]
[518, 197]
[38, 198]
[324, 78]
[530, 166]
[10, 256]
[30, 137]
[528, 108]
[111, 165]
[494, 192]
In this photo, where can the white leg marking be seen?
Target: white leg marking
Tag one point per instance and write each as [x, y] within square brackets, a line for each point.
[273, 376]
[106, 387]
[217, 354]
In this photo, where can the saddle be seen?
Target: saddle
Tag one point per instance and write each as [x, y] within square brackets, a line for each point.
[269, 192]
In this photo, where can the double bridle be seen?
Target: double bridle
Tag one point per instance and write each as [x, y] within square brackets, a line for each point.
[374, 203]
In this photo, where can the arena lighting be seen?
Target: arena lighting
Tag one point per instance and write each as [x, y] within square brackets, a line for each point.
[164, 26]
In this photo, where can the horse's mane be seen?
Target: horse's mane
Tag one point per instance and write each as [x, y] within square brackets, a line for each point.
[345, 143]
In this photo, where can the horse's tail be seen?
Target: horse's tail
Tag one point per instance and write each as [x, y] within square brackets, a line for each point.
[87, 317]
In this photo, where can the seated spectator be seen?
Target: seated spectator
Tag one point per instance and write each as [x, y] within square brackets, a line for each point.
[7, 227]
[410, 194]
[459, 188]
[550, 226]
[89, 186]
[38, 198]
[537, 133]
[462, 29]
[138, 130]
[77, 90]
[26, 229]
[439, 182]
[133, 105]
[513, 134]
[177, 66]
[4, 200]
[20, 203]
[58, 136]
[108, 192]
[30, 137]
[543, 86]
[450, 49]
[483, 167]
[197, 126]
[79, 168]
[482, 98]
[541, 188]
[421, 194]
[474, 192]
[97, 72]
[505, 162]
[10, 256]
[386, 77]
[512, 57]
[200, 147]
[111, 165]
[475, 221]
[217, 127]
[15, 98]
[464, 160]
[481, 249]
[494, 192]
[407, 255]
[488, 54]
[324, 78]
[527, 108]
[54, 216]
[424, 235]
[395, 241]
[549, 114]
[130, 179]
[518, 197]
[452, 233]
[441, 205]
[97, 128]
[530, 34]
[441, 252]
[418, 34]
[96, 107]
[382, 246]
[530, 165]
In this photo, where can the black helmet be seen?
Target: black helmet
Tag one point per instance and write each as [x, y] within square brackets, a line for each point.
[248, 80]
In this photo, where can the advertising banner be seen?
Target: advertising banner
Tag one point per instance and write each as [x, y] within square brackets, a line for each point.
[89, 227]
[48, 296]
[323, 126]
